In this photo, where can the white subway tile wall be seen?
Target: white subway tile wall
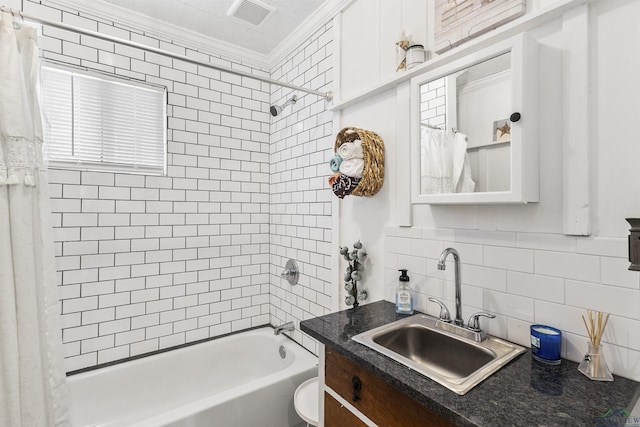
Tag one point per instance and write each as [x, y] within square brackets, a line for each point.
[300, 201]
[433, 108]
[148, 262]
[527, 278]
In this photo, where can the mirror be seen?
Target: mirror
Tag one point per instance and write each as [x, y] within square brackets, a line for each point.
[467, 111]
[468, 136]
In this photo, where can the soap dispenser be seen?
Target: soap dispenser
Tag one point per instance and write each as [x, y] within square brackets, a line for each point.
[404, 298]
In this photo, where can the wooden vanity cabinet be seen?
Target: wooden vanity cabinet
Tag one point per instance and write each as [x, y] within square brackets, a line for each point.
[376, 399]
[335, 414]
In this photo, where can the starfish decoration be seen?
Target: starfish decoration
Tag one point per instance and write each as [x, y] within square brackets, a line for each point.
[504, 129]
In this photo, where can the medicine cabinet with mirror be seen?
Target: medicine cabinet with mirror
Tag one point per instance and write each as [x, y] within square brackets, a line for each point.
[474, 127]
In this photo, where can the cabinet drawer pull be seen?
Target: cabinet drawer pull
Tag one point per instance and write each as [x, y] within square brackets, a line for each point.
[357, 386]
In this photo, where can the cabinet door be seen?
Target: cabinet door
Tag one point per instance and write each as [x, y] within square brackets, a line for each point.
[474, 128]
[379, 401]
[337, 415]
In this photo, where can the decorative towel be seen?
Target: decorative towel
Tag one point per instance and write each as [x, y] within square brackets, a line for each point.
[351, 150]
[335, 163]
[352, 167]
[344, 185]
[333, 178]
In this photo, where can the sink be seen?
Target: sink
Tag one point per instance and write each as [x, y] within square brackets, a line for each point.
[421, 343]
[449, 356]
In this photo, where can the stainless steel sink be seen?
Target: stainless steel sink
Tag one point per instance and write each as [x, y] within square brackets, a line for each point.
[453, 361]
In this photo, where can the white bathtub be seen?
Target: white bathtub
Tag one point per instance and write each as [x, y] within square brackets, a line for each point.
[238, 380]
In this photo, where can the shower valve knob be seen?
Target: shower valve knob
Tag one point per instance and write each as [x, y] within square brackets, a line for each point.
[291, 272]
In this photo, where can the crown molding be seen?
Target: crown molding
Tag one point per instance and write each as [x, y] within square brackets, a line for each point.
[163, 30]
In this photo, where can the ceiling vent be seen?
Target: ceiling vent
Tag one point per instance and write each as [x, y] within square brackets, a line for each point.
[253, 12]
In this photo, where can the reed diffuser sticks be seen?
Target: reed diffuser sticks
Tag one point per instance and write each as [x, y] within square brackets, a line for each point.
[595, 326]
[594, 365]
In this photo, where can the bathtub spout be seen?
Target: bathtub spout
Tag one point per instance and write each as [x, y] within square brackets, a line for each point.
[287, 327]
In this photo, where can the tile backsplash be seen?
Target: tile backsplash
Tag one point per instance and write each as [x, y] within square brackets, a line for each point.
[527, 278]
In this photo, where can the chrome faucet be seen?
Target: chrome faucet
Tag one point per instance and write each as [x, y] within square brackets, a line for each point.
[287, 327]
[457, 279]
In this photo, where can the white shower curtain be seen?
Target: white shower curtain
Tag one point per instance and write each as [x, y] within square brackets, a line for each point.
[32, 379]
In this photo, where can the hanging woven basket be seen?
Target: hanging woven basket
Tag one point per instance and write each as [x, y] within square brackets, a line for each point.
[373, 151]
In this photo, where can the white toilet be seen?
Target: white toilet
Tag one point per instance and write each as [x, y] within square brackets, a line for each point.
[305, 400]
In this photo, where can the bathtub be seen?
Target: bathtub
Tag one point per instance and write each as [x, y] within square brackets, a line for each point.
[238, 380]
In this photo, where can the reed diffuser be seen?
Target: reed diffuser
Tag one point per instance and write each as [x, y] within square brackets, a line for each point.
[593, 365]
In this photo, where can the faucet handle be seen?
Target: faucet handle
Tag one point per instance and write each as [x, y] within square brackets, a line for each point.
[445, 316]
[291, 272]
[287, 272]
[474, 321]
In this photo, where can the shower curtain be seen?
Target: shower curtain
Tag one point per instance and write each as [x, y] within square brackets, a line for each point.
[32, 378]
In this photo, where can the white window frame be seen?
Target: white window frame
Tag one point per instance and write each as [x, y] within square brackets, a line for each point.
[77, 162]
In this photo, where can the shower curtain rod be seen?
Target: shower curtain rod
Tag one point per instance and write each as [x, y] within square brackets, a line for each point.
[326, 95]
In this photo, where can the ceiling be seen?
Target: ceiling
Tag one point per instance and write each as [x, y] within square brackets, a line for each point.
[209, 18]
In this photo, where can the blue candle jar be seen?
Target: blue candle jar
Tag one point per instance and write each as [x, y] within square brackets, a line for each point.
[546, 343]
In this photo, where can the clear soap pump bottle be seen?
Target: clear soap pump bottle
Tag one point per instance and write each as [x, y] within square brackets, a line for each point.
[404, 298]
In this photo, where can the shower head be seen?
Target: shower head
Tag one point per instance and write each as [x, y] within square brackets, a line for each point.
[277, 109]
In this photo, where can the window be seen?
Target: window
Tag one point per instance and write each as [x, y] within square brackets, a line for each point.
[101, 123]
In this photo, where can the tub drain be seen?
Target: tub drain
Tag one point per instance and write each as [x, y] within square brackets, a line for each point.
[283, 352]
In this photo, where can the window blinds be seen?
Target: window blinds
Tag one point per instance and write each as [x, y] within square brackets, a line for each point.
[99, 123]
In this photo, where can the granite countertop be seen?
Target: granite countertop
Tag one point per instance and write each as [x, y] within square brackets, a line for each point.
[524, 392]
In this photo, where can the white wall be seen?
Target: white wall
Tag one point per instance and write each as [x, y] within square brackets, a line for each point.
[364, 218]
[369, 31]
[615, 91]
[516, 260]
[13, 4]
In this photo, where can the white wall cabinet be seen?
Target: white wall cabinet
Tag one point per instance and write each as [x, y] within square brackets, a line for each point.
[492, 87]
[368, 31]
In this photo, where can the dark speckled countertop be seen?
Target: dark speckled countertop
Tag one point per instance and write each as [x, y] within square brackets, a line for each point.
[523, 393]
